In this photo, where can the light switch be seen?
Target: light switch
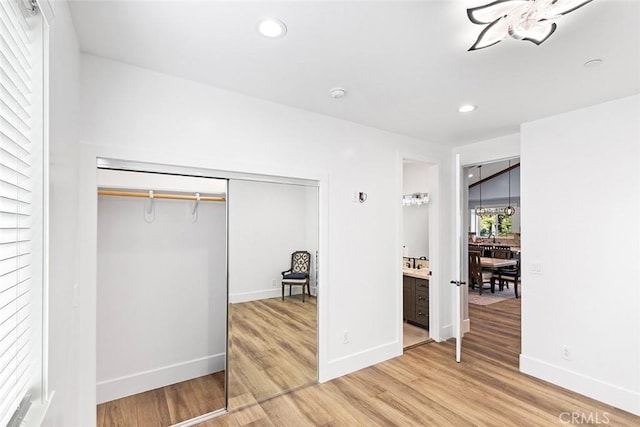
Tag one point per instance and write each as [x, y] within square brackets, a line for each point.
[535, 268]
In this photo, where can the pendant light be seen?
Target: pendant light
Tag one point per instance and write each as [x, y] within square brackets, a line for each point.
[480, 211]
[509, 210]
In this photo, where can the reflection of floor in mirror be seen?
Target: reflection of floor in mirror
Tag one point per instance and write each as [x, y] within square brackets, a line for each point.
[272, 348]
[413, 335]
[166, 405]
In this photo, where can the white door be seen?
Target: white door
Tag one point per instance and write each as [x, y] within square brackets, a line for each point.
[460, 285]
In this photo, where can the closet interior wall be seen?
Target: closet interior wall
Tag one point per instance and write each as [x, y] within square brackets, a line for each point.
[162, 285]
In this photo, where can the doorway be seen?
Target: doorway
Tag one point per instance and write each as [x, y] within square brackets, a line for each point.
[419, 251]
[491, 224]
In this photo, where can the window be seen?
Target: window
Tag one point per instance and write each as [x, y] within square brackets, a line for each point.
[21, 207]
[495, 223]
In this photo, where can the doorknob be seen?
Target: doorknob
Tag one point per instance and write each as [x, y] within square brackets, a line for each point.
[457, 283]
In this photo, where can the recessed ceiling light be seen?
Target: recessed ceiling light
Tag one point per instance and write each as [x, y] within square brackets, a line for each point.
[592, 63]
[338, 92]
[467, 108]
[272, 28]
[470, 175]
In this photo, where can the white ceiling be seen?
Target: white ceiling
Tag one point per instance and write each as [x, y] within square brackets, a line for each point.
[405, 65]
[488, 169]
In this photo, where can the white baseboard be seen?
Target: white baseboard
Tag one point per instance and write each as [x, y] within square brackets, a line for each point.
[448, 331]
[354, 362]
[148, 380]
[627, 400]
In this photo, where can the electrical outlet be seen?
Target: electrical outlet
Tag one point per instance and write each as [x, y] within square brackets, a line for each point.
[566, 352]
[274, 284]
[345, 337]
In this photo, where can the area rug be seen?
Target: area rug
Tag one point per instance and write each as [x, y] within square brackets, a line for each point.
[488, 298]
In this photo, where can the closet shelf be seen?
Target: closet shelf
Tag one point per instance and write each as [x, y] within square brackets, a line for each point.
[161, 196]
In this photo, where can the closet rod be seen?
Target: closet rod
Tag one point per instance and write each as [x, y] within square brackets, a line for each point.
[160, 195]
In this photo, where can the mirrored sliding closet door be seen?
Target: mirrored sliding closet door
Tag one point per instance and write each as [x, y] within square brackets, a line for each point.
[273, 229]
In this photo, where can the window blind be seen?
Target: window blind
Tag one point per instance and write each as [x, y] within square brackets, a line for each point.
[15, 206]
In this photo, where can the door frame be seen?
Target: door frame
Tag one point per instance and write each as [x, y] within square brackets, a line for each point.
[435, 260]
[86, 315]
[463, 251]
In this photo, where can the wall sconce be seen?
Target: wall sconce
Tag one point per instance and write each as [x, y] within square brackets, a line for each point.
[415, 199]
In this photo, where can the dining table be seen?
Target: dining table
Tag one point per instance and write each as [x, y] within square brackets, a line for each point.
[487, 262]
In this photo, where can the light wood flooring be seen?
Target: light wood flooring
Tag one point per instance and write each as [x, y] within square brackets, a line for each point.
[426, 387]
[272, 348]
[413, 335]
[165, 406]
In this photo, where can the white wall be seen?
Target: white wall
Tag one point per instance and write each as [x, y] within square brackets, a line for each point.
[415, 219]
[140, 115]
[490, 150]
[587, 297]
[267, 222]
[70, 367]
[162, 290]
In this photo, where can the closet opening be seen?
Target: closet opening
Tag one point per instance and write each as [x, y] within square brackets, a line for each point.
[161, 297]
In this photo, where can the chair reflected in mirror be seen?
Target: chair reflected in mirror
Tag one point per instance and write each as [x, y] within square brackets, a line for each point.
[298, 273]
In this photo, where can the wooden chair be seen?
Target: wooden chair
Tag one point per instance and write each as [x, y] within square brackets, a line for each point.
[501, 253]
[298, 274]
[505, 276]
[477, 276]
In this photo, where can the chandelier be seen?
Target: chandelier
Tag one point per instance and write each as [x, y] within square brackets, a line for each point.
[509, 210]
[530, 20]
[480, 211]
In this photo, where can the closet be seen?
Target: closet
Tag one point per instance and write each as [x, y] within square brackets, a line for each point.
[191, 317]
[162, 295]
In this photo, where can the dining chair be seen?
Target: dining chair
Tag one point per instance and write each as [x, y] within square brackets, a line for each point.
[298, 273]
[501, 253]
[478, 276]
[505, 276]
[486, 250]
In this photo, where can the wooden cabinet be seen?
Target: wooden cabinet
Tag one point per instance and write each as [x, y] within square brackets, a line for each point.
[415, 301]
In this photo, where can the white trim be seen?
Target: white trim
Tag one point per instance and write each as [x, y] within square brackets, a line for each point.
[160, 377]
[197, 420]
[37, 412]
[352, 362]
[436, 330]
[466, 326]
[48, 12]
[47, 395]
[627, 400]
[87, 248]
